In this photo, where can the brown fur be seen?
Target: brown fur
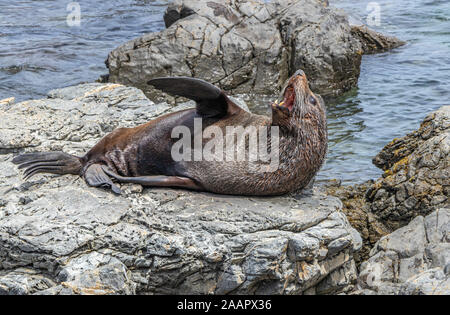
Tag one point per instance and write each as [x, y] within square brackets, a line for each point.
[146, 149]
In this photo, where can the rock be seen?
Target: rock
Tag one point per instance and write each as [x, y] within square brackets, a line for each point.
[245, 46]
[357, 210]
[411, 260]
[23, 281]
[416, 182]
[374, 42]
[7, 101]
[417, 173]
[58, 236]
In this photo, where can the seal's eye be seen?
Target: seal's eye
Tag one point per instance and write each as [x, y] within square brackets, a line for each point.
[313, 100]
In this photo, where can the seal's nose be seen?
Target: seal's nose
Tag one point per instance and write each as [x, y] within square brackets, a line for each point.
[299, 73]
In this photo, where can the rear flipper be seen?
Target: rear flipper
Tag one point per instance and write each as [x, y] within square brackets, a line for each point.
[48, 162]
[61, 163]
[156, 181]
[96, 177]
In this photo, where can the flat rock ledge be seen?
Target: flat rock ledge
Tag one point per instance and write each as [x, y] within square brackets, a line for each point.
[248, 46]
[413, 260]
[58, 236]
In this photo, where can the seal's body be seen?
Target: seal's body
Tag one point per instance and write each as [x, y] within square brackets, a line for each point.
[144, 154]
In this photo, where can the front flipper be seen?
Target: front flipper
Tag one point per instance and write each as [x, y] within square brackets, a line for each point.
[211, 101]
[96, 177]
[156, 181]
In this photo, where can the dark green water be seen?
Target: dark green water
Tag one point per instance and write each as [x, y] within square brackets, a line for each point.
[40, 52]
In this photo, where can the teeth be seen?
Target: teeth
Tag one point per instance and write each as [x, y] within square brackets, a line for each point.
[276, 104]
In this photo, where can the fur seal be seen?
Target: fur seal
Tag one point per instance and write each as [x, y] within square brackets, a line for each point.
[143, 155]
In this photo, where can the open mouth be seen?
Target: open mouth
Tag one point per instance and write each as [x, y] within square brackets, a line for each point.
[288, 101]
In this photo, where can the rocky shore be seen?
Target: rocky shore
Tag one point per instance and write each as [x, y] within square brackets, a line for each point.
[387, 236]
[413, 260]
[58, 236]
[411, 202]
[415, 181]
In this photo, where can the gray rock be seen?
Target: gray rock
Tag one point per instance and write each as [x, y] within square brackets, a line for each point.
[22, 281]
[415, 257]
[245, 46]
[58, 236]
[417, 173]
[357, 210]
[411, 260]
[416, 182]
[7, 101]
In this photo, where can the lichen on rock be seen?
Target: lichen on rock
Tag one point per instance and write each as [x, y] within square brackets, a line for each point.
[403, 252]
[417, 173]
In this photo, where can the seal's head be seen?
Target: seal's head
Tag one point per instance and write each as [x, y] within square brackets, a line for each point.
[298, 105]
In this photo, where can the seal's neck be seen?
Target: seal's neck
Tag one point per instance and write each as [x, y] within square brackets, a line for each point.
[303, 146]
